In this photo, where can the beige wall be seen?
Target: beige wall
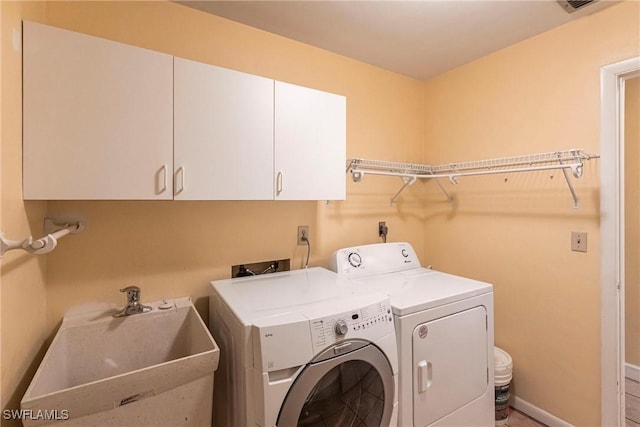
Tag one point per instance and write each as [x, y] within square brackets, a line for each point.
[172, 249]
[539, 95]
[23, 311]
[175, 248]
[1, 38]
[514, 231]
[632, 220]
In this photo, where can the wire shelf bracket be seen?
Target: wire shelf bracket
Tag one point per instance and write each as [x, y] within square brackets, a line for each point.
[45, 244]
[410, 172]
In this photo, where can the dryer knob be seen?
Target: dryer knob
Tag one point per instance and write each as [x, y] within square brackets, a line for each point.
[341, 328]
[354, 259]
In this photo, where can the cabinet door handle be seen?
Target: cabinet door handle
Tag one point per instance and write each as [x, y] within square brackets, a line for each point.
[179, 173]
[279, 183]
[162, 179]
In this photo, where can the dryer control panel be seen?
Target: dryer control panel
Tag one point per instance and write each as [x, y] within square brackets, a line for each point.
[367, 260]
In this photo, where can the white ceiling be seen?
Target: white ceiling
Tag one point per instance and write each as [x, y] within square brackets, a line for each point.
[416, 38]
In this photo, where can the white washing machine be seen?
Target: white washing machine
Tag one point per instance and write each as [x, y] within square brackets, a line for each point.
[444, 327]
[296, 348]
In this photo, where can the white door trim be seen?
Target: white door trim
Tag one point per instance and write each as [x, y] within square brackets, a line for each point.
[612, 79]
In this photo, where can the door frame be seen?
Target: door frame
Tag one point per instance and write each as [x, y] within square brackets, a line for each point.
[612, 82]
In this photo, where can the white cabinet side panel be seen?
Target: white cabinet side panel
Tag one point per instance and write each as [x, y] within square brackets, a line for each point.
[98, 118]
[223, 134]
[310, 143]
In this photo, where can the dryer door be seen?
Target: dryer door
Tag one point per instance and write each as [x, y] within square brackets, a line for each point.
[450, 366]
[349, 388]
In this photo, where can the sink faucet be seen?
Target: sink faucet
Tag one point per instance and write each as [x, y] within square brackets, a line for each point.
[133, 303]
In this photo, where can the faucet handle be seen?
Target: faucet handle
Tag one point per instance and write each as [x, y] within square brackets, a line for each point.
[133, 294]
[133, 302]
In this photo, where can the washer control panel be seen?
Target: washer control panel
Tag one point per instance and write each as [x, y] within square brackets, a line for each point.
[295, 337]
[370, 322]
[379, 258]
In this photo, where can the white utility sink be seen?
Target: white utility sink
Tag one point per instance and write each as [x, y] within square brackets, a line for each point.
[152, 369]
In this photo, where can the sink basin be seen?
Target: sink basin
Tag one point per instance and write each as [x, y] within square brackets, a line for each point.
[135, 370]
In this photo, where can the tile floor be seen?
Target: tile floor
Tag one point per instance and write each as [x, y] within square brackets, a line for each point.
[632, 410]
[518, 419]
[632, 398]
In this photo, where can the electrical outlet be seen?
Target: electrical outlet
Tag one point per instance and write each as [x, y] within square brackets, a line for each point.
[578, 241]
[382, 228]
[303, 233]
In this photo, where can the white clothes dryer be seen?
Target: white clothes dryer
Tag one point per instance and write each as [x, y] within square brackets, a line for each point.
[296, 348]
[444, 327]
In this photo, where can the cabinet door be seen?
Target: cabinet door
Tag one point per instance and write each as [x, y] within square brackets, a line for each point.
[98, 118]
[223, 134]
[310, 144]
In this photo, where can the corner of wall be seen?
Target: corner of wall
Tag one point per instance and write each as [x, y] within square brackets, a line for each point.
[22, 276]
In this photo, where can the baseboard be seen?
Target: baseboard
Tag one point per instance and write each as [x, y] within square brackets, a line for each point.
[632, 372]
[537, 413]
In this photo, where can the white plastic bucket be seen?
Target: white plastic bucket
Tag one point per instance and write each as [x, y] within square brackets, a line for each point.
[503, 367]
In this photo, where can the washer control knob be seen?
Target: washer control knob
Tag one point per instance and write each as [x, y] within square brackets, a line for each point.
[354, 259]
[341, 328]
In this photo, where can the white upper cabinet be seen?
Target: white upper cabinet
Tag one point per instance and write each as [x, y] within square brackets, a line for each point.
[310, 144]
[98, 118]
[109, 121]
[223, 133]
[230, 144]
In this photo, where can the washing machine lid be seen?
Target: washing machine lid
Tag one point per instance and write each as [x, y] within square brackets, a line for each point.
[420, 289]
[279, 294]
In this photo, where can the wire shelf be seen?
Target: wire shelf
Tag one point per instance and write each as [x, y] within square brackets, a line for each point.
[410, 172]
[558, 157]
